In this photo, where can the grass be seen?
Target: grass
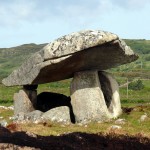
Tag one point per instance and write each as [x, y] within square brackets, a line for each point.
[62, 87]
[6, 94]
[135, 96]
[132, 126]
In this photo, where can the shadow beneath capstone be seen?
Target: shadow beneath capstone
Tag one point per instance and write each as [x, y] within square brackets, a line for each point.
[50, 100]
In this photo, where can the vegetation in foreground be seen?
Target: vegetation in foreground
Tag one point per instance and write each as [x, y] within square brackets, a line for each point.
[132, 126]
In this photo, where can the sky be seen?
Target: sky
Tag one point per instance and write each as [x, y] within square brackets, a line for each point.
[42, 21]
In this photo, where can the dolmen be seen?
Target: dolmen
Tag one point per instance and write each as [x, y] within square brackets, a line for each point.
[83, 56]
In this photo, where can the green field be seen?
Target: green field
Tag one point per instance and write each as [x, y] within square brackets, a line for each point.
[134, 96]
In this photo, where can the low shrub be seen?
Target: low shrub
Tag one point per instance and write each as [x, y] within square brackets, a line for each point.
[136, 85]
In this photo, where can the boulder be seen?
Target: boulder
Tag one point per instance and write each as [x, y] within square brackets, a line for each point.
[34, 115]
[59, 114]
[94, 96]
[24, 101]
[76, 52]
[110, 89]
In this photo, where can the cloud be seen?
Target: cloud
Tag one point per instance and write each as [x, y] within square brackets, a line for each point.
[16, 12]
[13, 12]
[29, 18]
[130, 4]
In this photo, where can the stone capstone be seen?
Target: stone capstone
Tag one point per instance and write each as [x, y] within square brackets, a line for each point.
[76, 52]
[94, 99]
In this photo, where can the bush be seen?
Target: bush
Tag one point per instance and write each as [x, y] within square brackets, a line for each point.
[137, 85]
[147, 58]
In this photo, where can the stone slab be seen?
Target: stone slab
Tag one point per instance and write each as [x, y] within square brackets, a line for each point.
[79, 51]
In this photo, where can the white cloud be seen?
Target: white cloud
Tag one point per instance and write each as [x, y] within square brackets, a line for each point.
[53, 18]
[130, 4]
[13, 12]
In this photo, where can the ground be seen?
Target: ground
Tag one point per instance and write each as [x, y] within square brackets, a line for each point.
[72, 141]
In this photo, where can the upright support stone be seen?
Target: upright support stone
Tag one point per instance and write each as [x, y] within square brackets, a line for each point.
[110, 90]
[92, 99]
[25, 99]
[87, 98]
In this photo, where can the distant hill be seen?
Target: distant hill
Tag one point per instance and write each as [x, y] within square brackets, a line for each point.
[141, 67]
[140, 46]
[11, 58]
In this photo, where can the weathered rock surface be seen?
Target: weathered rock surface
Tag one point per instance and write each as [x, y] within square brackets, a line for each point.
[34, 115]
[80, 51]
[110, 89]
[24, 101]
[93, 98]
[58, 114]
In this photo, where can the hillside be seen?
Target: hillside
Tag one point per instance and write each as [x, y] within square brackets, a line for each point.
[141, 67]
[11, 58]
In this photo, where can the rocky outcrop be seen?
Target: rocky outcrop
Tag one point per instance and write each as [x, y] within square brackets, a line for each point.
[85, 50]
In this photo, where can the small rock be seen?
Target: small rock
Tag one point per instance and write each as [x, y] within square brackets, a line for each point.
[1, 117]
[3, 107]
[113, 127]
[120, 121]
[100, 122]
[12, 118]
[31, 134]
[3, 123]
[80, 124]
[86, 126]
[11, 107]
[143, 117]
